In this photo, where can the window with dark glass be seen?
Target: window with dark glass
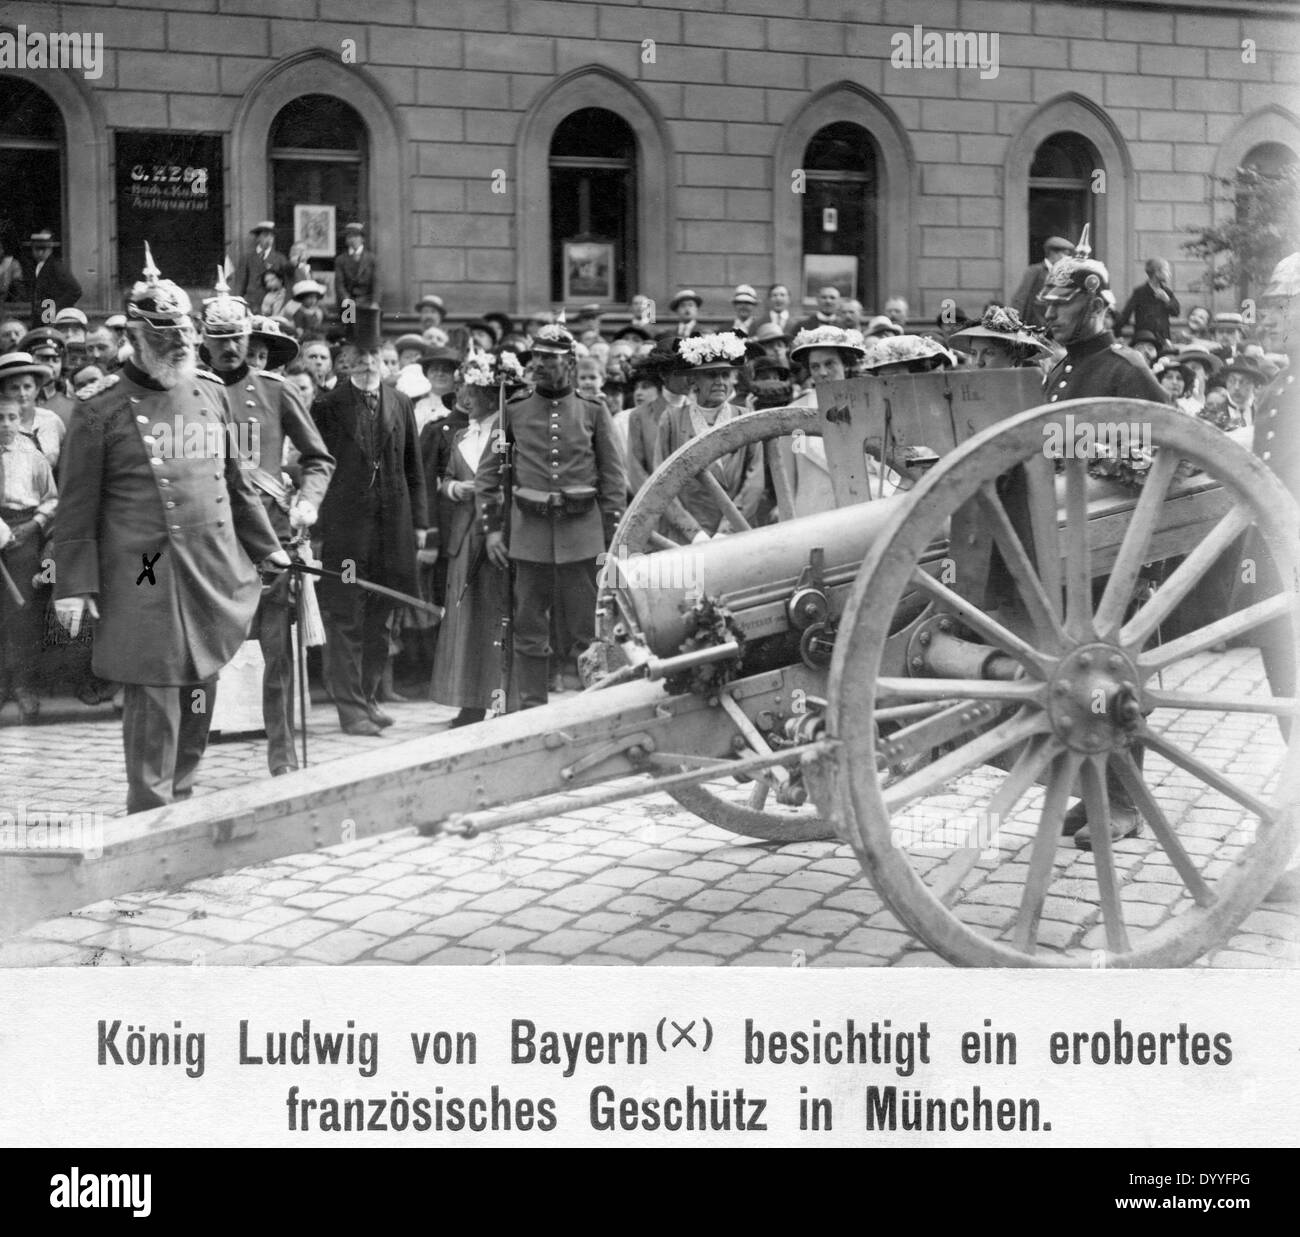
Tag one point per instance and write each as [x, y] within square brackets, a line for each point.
[1061, 197]
[840, 220]
[593, 166]
[319, 153]
[31, 164]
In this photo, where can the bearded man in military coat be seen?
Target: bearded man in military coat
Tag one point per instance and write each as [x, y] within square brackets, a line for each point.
[160, 539]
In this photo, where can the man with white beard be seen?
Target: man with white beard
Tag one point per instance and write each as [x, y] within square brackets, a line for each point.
[160, 541]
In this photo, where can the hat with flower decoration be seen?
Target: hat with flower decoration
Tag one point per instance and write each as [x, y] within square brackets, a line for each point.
[482, 369]
[1285, 279]
[280, 348]
[845, 339]
[1081, 273]
[158, 302]
[1002, 323]
[225, 314]
[905, 349]
[700, 353]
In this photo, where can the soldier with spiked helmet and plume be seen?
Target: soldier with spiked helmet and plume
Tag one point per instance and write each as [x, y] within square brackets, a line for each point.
[162, 547]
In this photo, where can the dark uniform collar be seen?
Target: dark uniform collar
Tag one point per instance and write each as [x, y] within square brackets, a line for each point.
[1087, 347]
[140, 378]
[230, 377]
[558, 393]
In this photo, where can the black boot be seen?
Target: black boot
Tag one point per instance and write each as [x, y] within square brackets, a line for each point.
[1125, 820]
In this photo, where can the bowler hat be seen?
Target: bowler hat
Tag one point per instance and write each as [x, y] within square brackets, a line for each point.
[1242, 365]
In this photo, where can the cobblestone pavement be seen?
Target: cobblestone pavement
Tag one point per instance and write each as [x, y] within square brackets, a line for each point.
[637, 882]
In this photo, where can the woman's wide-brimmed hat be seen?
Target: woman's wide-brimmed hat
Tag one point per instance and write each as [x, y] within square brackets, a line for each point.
[306, 287]
[15, 364]
[280, 348]
[845, 339]
[1192, 355]
[1002, 323]
[904, 349]
[1178, 364]
[701, 353]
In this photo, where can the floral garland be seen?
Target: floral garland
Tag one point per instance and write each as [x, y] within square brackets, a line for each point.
[703, 349]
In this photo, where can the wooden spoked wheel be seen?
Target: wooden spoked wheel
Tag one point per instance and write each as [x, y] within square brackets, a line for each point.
[1088, 688]
[638, 533]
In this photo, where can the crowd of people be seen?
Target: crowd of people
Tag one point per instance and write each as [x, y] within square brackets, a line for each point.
[476, 467]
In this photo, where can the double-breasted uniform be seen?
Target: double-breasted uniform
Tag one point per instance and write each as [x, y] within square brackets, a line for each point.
[374, 505]
[267, 411]
[151, 480]
[567, 460]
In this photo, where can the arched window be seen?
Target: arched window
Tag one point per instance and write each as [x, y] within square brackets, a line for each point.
[1061, 198]
[839, 213]
[1269, 161]
[319, 156]
[593, 178]
[32, 142]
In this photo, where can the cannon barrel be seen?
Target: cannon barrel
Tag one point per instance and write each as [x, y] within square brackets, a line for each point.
[752, 573]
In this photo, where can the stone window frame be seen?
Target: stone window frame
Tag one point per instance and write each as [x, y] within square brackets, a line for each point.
[87, 208]
[594, 86]
[387, 212]
[1112, 241]
[897, 241]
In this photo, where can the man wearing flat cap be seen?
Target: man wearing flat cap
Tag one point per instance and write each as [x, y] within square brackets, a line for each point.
[356, 276]
[49, 283]
[260, 257]
[1024, 300]
[159, 537]
[273, 411]
[568, 488]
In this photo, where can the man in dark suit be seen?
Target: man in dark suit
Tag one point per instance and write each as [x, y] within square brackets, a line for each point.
[159, 537]
[255, 262]
[49, 284]
[1024, 300]
[372, 521]
[356, 277]
[268, 411]
[569, 487]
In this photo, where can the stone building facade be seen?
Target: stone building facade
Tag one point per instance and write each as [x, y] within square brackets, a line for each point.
[524, 153]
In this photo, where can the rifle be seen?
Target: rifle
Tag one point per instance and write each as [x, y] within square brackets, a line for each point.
[506, 640]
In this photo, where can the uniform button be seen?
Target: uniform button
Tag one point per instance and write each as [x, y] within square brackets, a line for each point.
[221, 498]
[156, 462]
[176, 528]
[1060, 384]
[221, 523]
[148, 438]
[216, 476]
[1068, 368]
[170, 505]
[249, 403]
[142, 420]
[163, 481]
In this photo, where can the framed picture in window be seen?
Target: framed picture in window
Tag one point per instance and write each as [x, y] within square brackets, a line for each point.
[830, 270]
[313, 226]
[588, 271]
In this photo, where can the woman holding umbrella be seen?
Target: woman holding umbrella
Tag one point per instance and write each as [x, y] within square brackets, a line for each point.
[467, 663]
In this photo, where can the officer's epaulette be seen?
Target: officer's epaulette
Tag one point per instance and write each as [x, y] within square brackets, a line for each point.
[524, 394]
[99, 386]
[266, 373]
[210, 376]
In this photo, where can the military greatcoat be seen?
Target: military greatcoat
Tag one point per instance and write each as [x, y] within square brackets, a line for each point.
[128, 495]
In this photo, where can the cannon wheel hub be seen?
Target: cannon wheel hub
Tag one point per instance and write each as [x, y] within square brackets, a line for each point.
[1093, 701]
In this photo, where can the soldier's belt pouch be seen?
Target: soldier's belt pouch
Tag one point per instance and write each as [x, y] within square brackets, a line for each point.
[578, 499]
[534, 502]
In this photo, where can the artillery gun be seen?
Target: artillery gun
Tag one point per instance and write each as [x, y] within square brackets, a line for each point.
[997, 609]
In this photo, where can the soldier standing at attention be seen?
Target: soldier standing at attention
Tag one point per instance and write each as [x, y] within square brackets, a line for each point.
[569, 486]
[159, 537]
[1093, 365]
[273, 410]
